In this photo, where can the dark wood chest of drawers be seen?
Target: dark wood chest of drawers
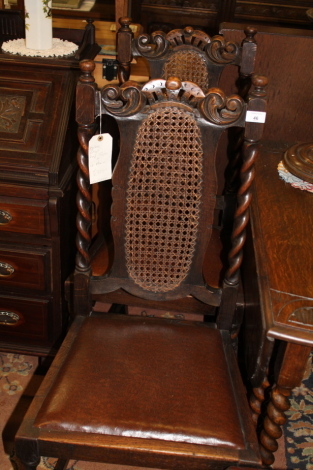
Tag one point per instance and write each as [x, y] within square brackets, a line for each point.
[38, 147]
[169, 14]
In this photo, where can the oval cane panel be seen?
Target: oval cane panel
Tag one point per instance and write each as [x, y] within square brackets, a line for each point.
[163, 200]
[187, 65]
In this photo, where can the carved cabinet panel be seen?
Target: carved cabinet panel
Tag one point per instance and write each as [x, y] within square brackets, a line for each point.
[37, 201]
[169, 14]
[282, 12]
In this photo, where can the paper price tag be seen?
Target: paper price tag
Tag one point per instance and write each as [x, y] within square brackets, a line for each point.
[100, 158]
[256, 116]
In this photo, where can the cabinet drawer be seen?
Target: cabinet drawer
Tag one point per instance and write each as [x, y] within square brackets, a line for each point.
[25, 268]
[271, 11]
[24, 216]
[24, 321]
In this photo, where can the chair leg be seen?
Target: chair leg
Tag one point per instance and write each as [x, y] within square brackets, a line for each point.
[256, 400]
[291, 367]
[27, 466]
[61, 464]
[27, 454]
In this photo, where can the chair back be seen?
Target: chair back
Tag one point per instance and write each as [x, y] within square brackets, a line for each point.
[165, 183]
[190, 54]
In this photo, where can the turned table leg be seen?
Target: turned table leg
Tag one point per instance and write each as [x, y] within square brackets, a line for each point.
[289, 374]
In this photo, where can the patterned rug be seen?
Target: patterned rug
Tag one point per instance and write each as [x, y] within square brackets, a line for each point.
[298, 430]
[19, 382]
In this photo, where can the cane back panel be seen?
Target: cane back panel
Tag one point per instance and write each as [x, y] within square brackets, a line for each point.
[164, 199]
[189, 65]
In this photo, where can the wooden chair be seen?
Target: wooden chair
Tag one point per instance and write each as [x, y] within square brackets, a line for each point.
[188, 54]
[191, 55]
[153, 392]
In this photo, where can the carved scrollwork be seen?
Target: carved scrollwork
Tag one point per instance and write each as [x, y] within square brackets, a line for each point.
[152, 46]
[126, 100]
[220, 109]
[189, 36]
[158, 43]
[172, 90]
[130, 98]
[221, 51]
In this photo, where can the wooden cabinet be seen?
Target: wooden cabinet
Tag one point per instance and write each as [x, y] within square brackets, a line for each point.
[168, 14]
[38, 147]
[103, 10]
[292, 13]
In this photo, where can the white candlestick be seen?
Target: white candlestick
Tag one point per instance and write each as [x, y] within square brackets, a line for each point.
[38, 24]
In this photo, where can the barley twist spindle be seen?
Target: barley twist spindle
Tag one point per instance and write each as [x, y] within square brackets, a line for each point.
[242, 213]
[256, 400]
[273, 422]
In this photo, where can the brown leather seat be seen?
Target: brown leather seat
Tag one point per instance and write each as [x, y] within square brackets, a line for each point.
[142, 378]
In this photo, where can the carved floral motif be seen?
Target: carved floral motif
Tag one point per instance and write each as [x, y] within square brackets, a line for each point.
[274, 11]
[11, 111]
[302, 315]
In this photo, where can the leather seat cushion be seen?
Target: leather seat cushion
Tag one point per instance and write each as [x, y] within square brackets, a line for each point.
[146, 378]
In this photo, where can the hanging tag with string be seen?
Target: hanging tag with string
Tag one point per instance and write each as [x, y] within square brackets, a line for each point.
[100, 155]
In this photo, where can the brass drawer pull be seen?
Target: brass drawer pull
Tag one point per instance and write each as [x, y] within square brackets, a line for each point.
[6, 270]
[5, 217]
[8, 318]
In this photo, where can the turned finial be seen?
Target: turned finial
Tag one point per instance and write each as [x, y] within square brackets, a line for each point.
[87, 66]
[259, 81]
[188, 30]
[173, 83]
[125, 22]
[250, 32]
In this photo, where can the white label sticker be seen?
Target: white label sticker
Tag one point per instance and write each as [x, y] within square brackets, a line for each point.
[256, 116]
[100, 158]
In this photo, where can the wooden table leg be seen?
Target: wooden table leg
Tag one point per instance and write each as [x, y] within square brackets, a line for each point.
[289, 374]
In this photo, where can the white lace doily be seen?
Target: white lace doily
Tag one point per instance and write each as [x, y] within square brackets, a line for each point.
[59, 48]
[293, 180]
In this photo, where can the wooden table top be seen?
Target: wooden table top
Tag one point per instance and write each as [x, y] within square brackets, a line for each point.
[282, 227]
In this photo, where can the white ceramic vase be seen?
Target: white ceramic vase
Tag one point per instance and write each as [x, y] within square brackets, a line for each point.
[38, 24]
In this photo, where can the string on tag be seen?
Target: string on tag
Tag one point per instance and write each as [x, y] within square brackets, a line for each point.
[100, 116]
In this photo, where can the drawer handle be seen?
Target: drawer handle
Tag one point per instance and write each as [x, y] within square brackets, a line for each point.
[5, 217]
[6, 270]
[8, 318]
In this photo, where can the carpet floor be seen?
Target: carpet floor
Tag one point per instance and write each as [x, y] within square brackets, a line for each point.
[19, 382]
